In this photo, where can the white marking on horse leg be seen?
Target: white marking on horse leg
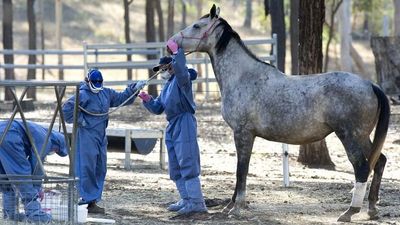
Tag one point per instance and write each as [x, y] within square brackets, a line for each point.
[240, 203]
[241, 199]
[358, 194]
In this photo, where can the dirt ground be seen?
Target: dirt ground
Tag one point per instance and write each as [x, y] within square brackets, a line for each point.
[315, 196]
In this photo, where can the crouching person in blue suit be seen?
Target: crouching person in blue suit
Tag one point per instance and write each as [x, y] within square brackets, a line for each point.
[17, 157]
[176, 100]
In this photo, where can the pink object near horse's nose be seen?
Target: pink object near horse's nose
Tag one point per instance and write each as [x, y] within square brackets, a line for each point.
[172, 45]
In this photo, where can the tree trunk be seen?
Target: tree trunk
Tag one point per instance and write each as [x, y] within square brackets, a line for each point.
[183, 24]
[294, 35]
[151, 37]
[170, 28]
[266, 8]
[247, 19]
[161, 33]
[334, 9]
[127, 34]
[366, 23]
[396, 17]
[311, 19]
[278, 27]
[345, 36]
[8, 42]
[32, 45]
[387, 60]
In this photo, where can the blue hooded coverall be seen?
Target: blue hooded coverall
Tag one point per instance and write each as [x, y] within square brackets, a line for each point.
[176, 100]
[17, 157]
[91, 149]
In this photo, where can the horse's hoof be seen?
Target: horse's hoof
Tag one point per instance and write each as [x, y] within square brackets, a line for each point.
[346, 216]
[235, 211]
[373, 214]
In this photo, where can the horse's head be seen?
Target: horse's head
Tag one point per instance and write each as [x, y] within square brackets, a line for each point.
[203, 34]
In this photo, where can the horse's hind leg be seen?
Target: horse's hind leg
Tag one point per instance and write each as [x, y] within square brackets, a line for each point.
[373, 196]
[244, 141]
[355, 147]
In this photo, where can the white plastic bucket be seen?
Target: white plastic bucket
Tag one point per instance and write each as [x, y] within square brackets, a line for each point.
[82, 213]
[61, 213]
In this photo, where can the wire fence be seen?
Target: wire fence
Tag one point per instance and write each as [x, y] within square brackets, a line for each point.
[24, 205]
[18, 188]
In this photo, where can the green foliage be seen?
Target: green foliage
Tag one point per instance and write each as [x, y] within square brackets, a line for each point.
[375, 10]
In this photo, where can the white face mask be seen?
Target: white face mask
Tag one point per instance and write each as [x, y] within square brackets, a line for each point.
[95, 89]
[165, 75]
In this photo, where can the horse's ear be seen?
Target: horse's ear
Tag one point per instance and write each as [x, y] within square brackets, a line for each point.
[217, 13]
[213, 11]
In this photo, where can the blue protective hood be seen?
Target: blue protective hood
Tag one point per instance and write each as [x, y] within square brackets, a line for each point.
[57, 141]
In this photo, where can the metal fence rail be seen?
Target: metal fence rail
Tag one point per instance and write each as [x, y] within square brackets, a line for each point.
[99, 50]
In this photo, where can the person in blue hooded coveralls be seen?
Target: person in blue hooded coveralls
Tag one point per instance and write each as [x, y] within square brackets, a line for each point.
[176, 100]
[91, 150]
[17, 158]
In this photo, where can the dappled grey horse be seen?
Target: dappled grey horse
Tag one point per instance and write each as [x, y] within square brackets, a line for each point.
[259, 100]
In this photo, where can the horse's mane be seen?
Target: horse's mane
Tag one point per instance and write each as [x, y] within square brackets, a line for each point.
[227, 34]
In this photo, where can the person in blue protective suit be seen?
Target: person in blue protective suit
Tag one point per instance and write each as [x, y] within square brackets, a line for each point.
[17, 158]
[91, 144]
[176, 100]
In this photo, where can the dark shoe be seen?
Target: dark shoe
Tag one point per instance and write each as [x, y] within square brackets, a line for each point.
[94, 208]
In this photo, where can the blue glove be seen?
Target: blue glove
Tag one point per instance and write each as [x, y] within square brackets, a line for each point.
[137, 86]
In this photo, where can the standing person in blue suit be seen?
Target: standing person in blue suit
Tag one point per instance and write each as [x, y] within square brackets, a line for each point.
[17, 158]
[176, 100]
[91, 154]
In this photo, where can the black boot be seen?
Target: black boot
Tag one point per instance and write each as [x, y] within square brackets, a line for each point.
[94, 208]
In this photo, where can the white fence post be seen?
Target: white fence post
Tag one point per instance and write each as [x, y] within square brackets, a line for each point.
[285, 147]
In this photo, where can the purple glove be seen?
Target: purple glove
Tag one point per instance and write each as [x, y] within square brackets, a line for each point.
[172, 46]
[144, 96]
[41, 195]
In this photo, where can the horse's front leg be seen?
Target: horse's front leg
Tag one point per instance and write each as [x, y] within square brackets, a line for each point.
[244, 141]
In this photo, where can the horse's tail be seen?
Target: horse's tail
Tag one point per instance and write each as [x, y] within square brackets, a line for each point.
[381, 126]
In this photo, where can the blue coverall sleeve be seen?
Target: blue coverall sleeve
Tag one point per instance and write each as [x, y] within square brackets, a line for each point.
[180, 69]
[154, 105]
[117, 98]
[36, 171]
[68, 108]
